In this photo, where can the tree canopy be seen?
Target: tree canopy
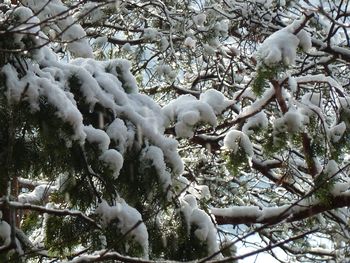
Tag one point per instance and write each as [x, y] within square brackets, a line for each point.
[148, 131]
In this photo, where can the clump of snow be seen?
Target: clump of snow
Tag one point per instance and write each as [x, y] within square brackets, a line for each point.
[114, 160]
[209, 50]
[305, 40]
[100, 41]
[313, 98]
[292, 83]
[155, 155]
[190, 42]
[344, 104]
[97, 136]
[166, 71]
[150, 33]
[38, 83]
[5, 233]
[236, 140]
[259, 120]
[292, 121]
[38, 195]
[282, 45]
[332, 169]
[337, 132]
[187, 111]
[194, 216]
[216, 100]
[164, 43]
[69, 30]
[129, 221]
[200, 19]
[28, 26]
[221, 27]
[5, 236]
[118, 132]
[90, 12]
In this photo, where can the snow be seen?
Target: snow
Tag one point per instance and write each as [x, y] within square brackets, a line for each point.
[206, 230]
[337, 131]
[150, 34]
[292, 83]
[28, 22]
[238, 211]
[128, 217]
[5, 236]
[40, 85]
[38, 195]
[190, 42]
[293, 120]
[155, 155]
[332, 169]
[5, 233]
[216, 100]
[97, 136]
[118, 132]
[282, 45]
[259, 120]
[71, 32]
[200, 19]
[305, 40]
[187, 111]
[236, 140]
[114, 160]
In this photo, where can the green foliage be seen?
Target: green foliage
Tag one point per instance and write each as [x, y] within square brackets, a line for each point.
[274, 142]
[263, 74]
[236, 162]
[63, 234]
[179, 243]
[30, 222]
[122, 243]
[323, 187]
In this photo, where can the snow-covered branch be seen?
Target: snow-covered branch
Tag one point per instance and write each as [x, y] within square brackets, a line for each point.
[52, 211]
[274, 215]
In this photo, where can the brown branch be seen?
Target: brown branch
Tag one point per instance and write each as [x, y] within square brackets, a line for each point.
[336, 51]
[278, 95]
[58, 212]
[289, 213]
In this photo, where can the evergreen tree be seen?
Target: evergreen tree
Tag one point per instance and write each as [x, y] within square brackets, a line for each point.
[142, 131]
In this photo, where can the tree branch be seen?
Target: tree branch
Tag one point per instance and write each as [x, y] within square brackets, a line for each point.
[52, 211]
[273, 215]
